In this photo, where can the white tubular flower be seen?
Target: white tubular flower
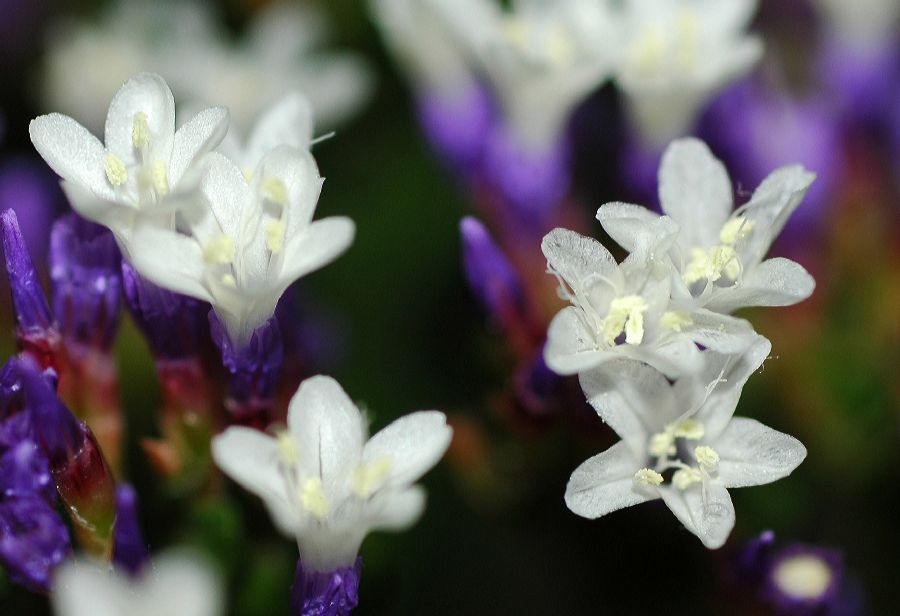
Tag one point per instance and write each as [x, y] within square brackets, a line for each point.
[680, 443]
[541, 58]
[257, 238]
[864, 23]
[324, 482]
[624, 311]
[139, 172]
[717, 253]
[288, 121]
[676, 54]
[174, 584]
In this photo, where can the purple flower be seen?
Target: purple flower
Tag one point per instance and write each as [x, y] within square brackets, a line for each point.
[253, 371]
[456, 128]
[332, 593]
[85, 270]
[175, 325]
[33, 541]
[32, 191]
[129, 549]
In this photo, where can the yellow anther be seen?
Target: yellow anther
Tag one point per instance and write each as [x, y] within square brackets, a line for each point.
[686, 477]
[687, 27]
[313, 499]
[368, 477]
[626, 314]
[229, 281]
[116, 172]
[661, 444]
[690, 429]
[710, 265]
[287, 448]
[650, 52]
[735, 229]
[648, 477]
[160, 178]
[275, 230]
[219, 250]
[675, 320]
[275, 190]
[515, 31]
[247, 172]
[707, 457]
[140, 130]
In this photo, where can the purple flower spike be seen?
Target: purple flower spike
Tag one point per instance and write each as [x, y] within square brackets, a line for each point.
[175, 325]
[333, 593]
[24, 471]
[456, 129]
[84, 267]
[33, 317]
[129, 549]
[31, 189]
[490, 275]
[253, 369]
[33, 541]
[532, 184]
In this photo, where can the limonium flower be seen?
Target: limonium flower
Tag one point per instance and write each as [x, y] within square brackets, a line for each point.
[624, 310]
[716, 253]
[140, 169]
[256, 238]
[676, 54]
[680, 443]
[324, 482]
[173, 583]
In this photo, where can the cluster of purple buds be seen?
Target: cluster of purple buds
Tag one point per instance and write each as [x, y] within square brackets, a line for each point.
[335, 593]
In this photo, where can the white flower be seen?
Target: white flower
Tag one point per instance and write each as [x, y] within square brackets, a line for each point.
[866, 24]
[139, 170]
[324, 482]
[541, 58]
[256, 239]
[680, 443]
[676, 54]
[717, 253]
[624, 311]
[173, 584]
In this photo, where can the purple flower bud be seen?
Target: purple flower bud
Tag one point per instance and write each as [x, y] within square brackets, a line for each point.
[84, 268]
[532, 184]
[24, 471]
[31, 189]
[33, 541]
[175, 325]
[490, 275]
[129, 549]
[253, 371]
[539, 390]
[456, 128]
[332, 593]
[33, 318]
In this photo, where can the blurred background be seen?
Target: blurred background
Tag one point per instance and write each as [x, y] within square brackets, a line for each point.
[395, 321]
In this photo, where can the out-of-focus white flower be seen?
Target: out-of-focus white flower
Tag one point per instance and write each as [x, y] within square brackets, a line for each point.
[717, 253]
[624, 311]
[174, 583]
[680, 443]
[676, 54]
[862, 23]
[255, 240]
[138, 173]
[324, 482]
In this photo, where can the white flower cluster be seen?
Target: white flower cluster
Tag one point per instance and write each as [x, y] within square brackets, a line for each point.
[543, 58]
[656, 351]
[231, 227]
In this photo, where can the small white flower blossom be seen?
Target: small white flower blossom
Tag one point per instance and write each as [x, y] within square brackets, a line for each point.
[324, 482]
[680, 442]
[174, 583]
[625, 311]
[676, 54]
[716, 252]
[864, 24]
[143, 168]
[255, 240]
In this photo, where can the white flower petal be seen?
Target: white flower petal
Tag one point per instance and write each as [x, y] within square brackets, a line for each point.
[147, 93]
[199, 135]
[675, 356]
[720, 332]
[637, 229]
[320, 244]
[289, 121]
[117, 217]
[72, 152]
[182, 583]
[774, 282]
[170, 260]
[414, 443]
[576, 257]
[753, 454]
[695, 191]
[81, 588]
[230, 200]
[605, 483]
[711, 519]
[250, 458]
[570, 347]
[396, 510]
[296, 169]
[329, 430]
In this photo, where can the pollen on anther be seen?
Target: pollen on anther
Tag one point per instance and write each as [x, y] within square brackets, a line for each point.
[116, 172]
[140, 130]
[648, 477]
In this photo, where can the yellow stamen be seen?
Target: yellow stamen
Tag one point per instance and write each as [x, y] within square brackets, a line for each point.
[367, 478]
[116, 172]
[690, 429]
[313, 499]
[219, 250]
[648, 477]
[275, 190]
[675, 320]
[736, 229]
[707, 457]
[140, 130]
[287, 448]
[275, 230]
[160, 178]
[686, 477]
